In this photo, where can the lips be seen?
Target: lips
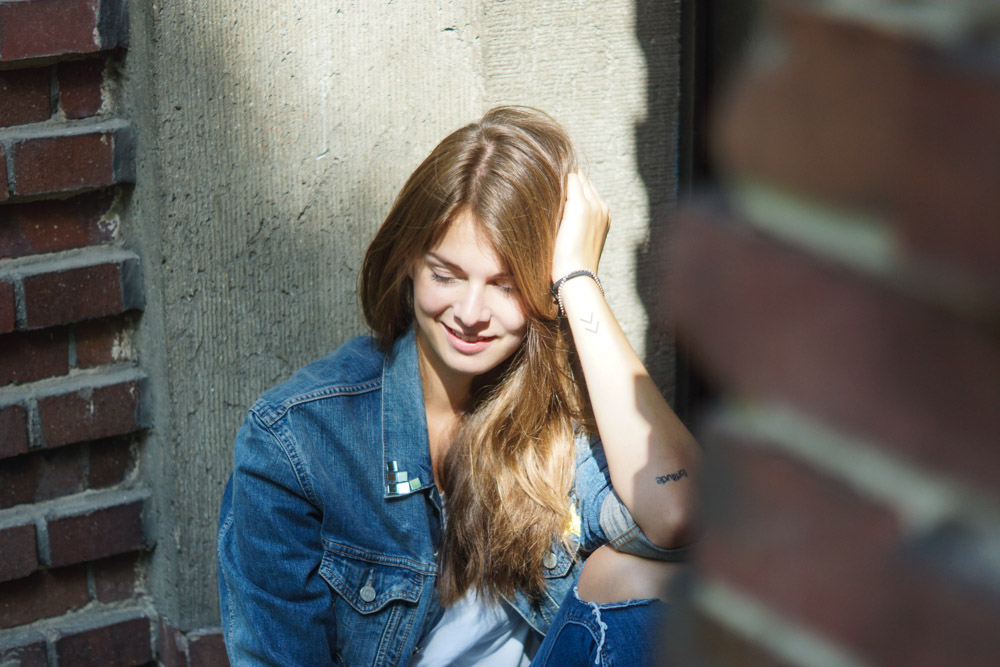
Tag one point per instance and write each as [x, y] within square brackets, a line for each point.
[468, 338]
[465, 343]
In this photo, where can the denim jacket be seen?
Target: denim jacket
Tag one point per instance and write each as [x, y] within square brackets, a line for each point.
[330, 523]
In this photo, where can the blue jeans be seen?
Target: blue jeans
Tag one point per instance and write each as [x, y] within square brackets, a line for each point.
[615, 634]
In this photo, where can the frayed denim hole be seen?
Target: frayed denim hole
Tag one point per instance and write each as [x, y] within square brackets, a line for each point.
[600, 623]
[618, 605]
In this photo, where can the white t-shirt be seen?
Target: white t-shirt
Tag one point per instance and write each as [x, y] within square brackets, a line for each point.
[472, 632]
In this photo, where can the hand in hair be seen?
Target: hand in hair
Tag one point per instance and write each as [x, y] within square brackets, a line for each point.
[584, 226]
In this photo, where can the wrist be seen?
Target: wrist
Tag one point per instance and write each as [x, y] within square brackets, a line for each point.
[562, 269]
[582, 274]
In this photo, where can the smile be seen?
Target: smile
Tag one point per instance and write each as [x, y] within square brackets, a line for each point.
[466, 343]
[468, 339]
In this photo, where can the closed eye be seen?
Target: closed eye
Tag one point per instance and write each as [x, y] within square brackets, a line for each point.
[442, 271]
[438, 278]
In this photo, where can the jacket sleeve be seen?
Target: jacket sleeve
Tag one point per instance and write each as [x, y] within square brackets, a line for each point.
[604, 519]
[276, 610]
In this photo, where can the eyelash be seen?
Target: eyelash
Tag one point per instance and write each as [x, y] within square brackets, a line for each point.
[503, 287]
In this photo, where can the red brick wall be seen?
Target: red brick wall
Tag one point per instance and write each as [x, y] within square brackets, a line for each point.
[73, 396]
[74, 399]
[843, 290]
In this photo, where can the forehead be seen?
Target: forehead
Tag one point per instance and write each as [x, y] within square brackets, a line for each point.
[464, 245]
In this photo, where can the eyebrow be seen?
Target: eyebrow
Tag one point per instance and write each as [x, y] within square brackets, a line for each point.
[456, 268]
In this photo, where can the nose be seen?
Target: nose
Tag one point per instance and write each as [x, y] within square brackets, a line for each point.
[470, 309]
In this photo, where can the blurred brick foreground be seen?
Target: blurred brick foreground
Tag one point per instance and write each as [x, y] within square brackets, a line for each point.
[844, 293]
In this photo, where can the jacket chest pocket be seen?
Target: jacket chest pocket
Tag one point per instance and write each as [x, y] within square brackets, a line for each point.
[376, 605]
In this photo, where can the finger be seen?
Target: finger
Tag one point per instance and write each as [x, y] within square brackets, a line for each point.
[585, 185]
[571, 194]
[594, 196]
[573, 183]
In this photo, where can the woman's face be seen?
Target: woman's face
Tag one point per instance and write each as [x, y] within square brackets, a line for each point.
[468, 314]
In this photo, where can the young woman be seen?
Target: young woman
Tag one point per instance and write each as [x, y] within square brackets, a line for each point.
[428, 496]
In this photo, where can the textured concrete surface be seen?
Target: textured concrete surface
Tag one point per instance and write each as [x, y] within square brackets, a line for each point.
[273, 138]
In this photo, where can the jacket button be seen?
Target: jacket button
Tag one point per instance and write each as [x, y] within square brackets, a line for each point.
[550, 560]
[367, 593]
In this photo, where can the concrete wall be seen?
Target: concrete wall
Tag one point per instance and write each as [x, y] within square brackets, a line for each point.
[273, 138]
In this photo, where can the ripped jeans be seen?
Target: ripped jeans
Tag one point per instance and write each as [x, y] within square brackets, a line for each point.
[616, 634]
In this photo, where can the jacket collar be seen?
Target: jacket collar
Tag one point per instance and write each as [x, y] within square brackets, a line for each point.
[406, 458]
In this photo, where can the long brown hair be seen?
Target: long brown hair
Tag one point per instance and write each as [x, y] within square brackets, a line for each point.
[509, 468]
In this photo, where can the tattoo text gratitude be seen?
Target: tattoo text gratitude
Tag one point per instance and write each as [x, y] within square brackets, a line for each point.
[672, 477]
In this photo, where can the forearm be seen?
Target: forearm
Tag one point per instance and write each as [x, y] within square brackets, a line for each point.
[653, 460]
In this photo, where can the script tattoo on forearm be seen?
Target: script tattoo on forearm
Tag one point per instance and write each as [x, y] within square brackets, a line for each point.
[591, 323]
[672, 477]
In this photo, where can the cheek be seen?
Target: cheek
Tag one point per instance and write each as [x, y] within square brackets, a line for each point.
[429, 298]
[512, 317]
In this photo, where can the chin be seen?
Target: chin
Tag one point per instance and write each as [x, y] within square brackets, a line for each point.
[470, 370]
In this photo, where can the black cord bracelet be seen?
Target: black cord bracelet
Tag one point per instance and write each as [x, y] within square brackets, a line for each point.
[557, 285]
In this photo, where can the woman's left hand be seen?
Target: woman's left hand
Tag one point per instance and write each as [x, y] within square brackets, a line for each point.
[583, 229]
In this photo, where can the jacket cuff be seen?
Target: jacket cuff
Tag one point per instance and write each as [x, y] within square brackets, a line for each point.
[624, 534]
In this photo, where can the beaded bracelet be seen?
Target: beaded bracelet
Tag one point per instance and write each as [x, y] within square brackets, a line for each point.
[557, 285]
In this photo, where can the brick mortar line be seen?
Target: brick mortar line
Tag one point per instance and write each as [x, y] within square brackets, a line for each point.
[51, 629]
[111, 25]
[71, 359]
[78, 379]
[862, 243]
[55, 94]
[107, 87]
[34, 423]
[54, 59]
[20, 306]
[206, 631]
[924, 501]
[854, 238]
[941, 23]
[57, 128]
[9, 165]
[75, 258]
[44, 550]
[766, 628]
[66, 506]
[22, 635]
[102, 614]
[91, 583]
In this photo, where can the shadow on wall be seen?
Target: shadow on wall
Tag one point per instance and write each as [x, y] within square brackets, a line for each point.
[657, 159]
[713, 35]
